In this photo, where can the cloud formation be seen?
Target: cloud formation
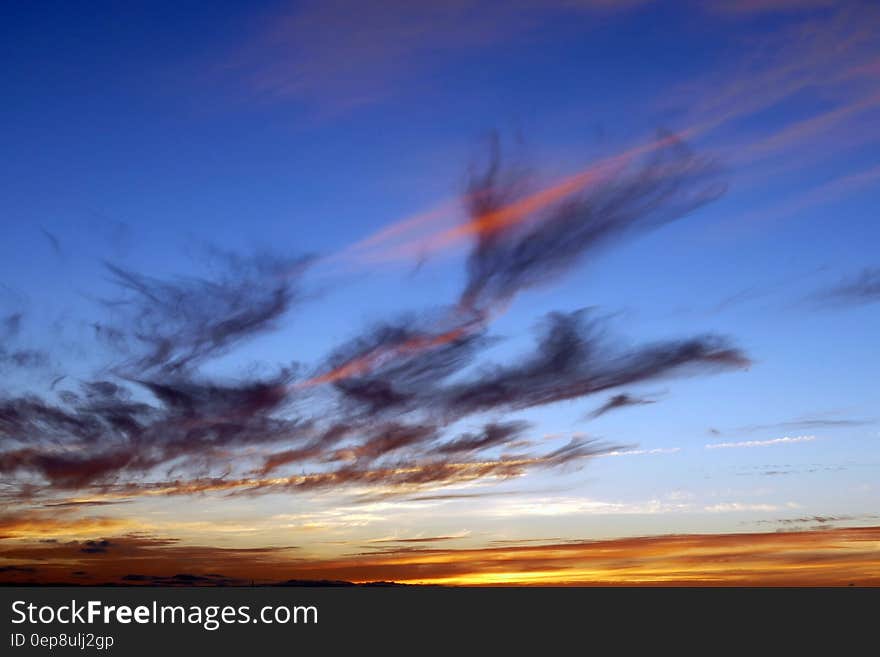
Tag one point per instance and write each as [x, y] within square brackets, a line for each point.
[619, 401]
[861, 289]
[178, 324]
[513, 252]
[786, 440]
[835, 556]
[335, 55]
[405, 406]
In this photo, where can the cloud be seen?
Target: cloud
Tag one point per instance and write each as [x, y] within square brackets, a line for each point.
[397, 366]
[571, 361]
[825, 52]
[24, 358]
[101, 433]
[154, 408]
[832, 557]
[787, 440]
[16, 570]
[140, 559]
[523, 240]
[752, 7]
[380, 413]
[642, 452]
[739, 507]
[181, 323]
[45, 523]
[11, 325]
[421, 539]
[620, 401]
[804, 423]
[493, 435]
[96, 547]
[54, 242]
[856, 291]
[821, 520]
[400, 476]
[333, 55]
[577, 506]
[83, 503]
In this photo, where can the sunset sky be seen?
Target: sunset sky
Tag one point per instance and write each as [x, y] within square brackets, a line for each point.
[467, 292]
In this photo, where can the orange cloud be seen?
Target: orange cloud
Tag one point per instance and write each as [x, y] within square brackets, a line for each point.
[832, 557]
[374, 358]
[55, 523]
[372, 249]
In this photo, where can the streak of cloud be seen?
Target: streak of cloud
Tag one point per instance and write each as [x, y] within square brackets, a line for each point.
[620, 401]
[786, 440]
[333, 56]
[861, 289]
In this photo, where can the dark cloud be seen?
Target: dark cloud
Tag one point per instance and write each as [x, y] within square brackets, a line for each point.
[182, 322]
[386, 440]
[492, 435]
[10, 328]
[619, 401]
[23, 358]
[508, 257]
[858, 290]
[821, 520]
[381, 411]
[312, 450]
[442, 497]
[397, 366]
[419, 539]
[141, 559]
[83, 503]
[571, 360]
[100, 433]
[11, 325]
[4, 570]
[399, 474]
[54, 242]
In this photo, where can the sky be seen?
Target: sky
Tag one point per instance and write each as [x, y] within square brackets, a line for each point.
[557, 292]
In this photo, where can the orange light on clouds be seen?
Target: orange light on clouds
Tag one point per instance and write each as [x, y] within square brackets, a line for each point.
[364, 364]
[502, 217]
[831, 557]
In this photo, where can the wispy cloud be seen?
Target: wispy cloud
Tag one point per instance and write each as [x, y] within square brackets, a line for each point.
[620, 401]
[786, 440]
[643, 452]
[334, 55]
[378, 411]
[811, 422]
[861, 289]
[739, 507]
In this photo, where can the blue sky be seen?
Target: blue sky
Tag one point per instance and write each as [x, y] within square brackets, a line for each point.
[148, 135]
